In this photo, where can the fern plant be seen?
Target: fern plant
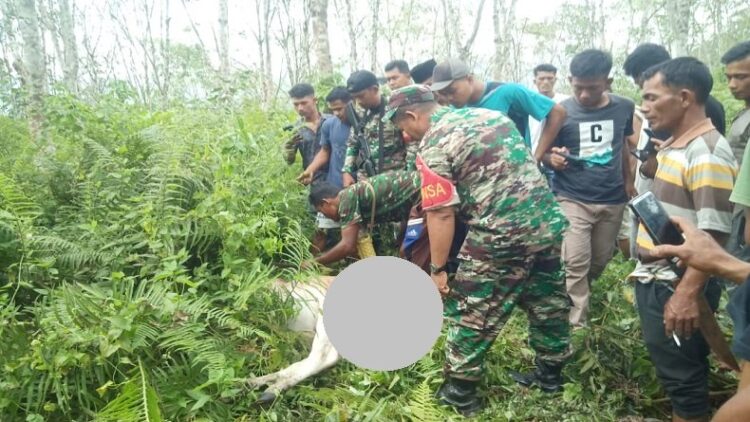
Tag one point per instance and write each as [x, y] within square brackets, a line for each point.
[137, 402]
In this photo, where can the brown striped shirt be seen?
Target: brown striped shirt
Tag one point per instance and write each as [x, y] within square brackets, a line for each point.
[694, 180]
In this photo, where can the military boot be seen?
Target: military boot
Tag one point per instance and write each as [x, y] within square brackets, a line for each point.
[546, 376]
[461, 395]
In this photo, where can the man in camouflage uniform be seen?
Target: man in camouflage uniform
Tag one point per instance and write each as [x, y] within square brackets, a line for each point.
[474, 163]
[363, 85]
[394, 193]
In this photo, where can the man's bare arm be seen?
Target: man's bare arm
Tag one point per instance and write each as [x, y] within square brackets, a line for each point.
[321, 158]
[347, 246]
[554, 122]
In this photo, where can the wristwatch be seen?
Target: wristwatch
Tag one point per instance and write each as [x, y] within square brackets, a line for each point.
[434, 269]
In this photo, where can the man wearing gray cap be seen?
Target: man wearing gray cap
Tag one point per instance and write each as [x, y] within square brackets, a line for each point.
[461, 88]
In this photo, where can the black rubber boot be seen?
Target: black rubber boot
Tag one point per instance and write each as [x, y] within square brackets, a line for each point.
[461, 395]
[547, 377]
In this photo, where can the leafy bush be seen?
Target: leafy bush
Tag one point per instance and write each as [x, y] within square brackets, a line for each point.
[136, 254]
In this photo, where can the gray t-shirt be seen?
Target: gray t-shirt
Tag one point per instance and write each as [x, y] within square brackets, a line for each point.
[596, 137]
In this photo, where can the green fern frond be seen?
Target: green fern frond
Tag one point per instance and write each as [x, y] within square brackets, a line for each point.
[67, 253]
[102, 156]
[14, 201]
[137, 401]
[422, 405]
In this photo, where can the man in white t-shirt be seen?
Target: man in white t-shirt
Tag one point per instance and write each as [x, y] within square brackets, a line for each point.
[545, 77]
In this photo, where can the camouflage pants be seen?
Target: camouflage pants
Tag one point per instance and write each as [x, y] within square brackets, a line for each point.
[483, 295]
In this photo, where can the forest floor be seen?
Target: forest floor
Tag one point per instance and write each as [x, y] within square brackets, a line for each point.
[609, 378]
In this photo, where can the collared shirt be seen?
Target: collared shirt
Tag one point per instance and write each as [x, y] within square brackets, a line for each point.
[694, 180]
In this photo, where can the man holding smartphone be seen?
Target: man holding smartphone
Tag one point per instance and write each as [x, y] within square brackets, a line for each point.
[592, 179]
[694, 179]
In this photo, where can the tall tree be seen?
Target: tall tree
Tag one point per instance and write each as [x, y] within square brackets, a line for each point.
[165, 45]
[503, 20]
[320, 31]
[374, 36]
[353, 29]
[224, 39]
[34, 66]
[465, 50]
[264, 13]
[680, 16]
[70, 48]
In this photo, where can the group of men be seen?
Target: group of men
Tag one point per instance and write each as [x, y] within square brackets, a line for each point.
[522, 198]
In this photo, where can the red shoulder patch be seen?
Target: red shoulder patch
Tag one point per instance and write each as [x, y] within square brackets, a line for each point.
[437, 191]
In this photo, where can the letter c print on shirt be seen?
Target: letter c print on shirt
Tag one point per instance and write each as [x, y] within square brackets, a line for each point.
[596, 138]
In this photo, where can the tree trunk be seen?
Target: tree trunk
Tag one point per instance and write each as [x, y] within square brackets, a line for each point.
[320, 29]
[680, 16]
[165, 49]
[465, 51]
[70, 52]
[374, 36]
[34, 63]
[264, 11]
[224, 39]
[503, 22]
[353, 57]
[498, 10]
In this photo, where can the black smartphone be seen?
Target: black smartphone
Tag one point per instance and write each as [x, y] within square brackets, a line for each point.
[649, 149]
[573, 158]
[655, 219]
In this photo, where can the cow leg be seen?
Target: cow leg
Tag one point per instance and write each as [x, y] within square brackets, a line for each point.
[322, 356]
[257, 382]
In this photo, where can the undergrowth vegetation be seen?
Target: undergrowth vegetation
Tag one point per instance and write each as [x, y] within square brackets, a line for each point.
[136, 248]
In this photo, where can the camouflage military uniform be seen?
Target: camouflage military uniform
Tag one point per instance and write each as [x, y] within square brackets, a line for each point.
[395, 154]
[511, 255]
[395, 193]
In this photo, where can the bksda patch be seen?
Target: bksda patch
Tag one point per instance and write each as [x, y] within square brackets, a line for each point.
[437, 191]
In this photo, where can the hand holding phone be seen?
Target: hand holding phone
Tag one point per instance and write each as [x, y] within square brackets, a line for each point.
[656, 221]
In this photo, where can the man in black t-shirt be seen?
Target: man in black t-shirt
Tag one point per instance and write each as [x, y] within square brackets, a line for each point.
[592, 180]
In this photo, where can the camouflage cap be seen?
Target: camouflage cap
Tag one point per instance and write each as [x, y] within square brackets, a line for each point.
[412, 94]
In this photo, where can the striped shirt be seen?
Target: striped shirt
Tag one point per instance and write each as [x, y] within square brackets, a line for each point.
[694, 180]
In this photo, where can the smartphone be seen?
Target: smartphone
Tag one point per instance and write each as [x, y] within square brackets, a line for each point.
[570, 157]
[649, 149]
[655, 219]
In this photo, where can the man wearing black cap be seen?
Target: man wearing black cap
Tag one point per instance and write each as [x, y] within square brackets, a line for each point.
[453, 81]
[386, 144]
[422, 73]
